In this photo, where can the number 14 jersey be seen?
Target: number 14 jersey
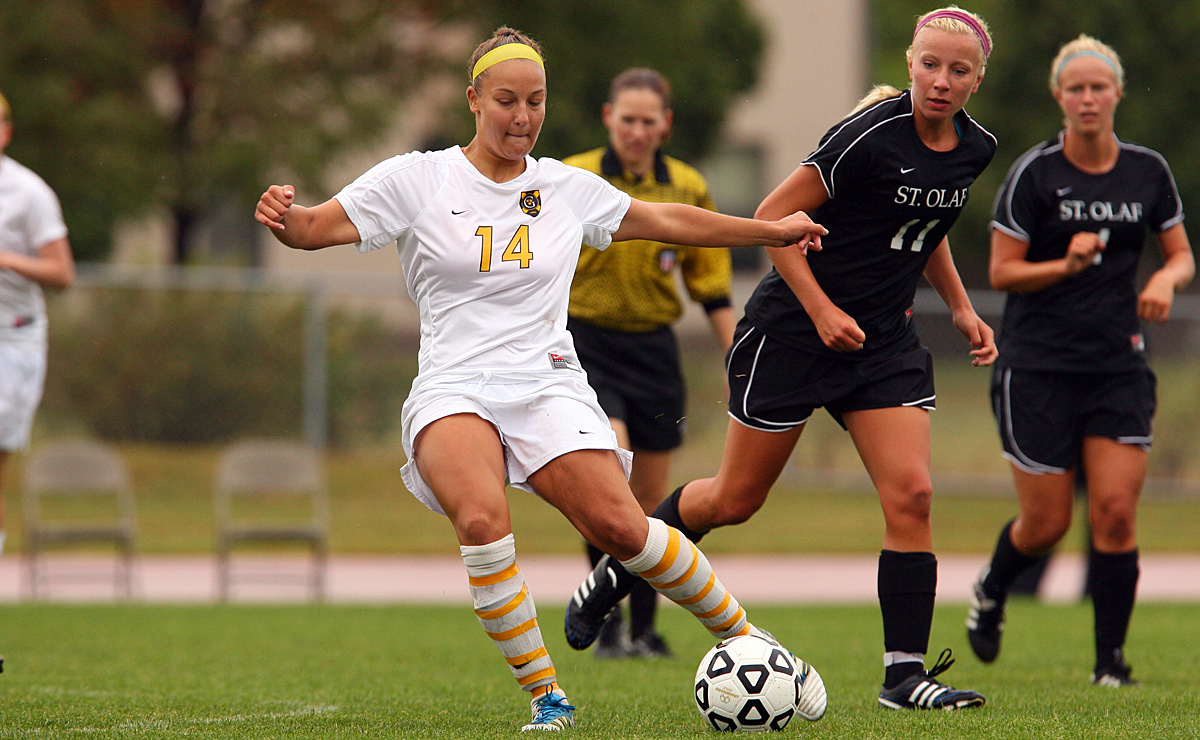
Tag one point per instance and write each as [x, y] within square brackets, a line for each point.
[488, 264]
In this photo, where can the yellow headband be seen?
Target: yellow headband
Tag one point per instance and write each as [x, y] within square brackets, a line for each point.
[503, 54]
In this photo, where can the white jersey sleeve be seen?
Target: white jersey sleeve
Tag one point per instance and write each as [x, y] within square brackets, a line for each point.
[598, 205]
[385, 201]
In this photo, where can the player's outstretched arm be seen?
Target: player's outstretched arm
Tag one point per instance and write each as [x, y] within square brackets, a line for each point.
[676, 223]
[298, 227]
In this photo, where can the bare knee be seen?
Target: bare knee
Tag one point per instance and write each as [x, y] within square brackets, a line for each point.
[1114, 525]
[1036, 534]
[479, 526]
[734, 505]
[908, 509]
[621, 537]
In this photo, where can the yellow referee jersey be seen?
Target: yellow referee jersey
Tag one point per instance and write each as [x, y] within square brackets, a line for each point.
[631, 285]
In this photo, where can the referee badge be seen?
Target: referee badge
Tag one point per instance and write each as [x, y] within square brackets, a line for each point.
[531, 202]
[666, 260]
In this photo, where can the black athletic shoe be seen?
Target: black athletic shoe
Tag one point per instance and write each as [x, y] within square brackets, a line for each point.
[612, 643]
[921, 691]
[650, 644]
[1115, 673]
[595, 598]
[985, 623]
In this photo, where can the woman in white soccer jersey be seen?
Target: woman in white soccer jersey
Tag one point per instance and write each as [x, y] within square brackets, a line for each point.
[1073, 391]
[489, 238]
[835, 330]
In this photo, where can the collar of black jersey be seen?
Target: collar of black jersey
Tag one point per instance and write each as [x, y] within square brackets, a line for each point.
[610, 166]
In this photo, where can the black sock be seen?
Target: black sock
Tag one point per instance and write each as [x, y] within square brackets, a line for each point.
[907, 587]
[1007, 563]
[668, 511]
[594, 553]
[643, 604]
[1114, 580]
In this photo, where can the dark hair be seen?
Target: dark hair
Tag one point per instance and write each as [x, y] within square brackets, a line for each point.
[502, 35]
[641, 78]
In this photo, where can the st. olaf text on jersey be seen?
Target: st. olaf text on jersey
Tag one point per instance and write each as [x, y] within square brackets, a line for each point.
[931, 198]
[1099, 210]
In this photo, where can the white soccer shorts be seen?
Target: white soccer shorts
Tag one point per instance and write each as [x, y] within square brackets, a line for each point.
[22, 375]
[538, 420]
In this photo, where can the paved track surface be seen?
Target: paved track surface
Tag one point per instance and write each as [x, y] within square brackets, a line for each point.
[822, 579]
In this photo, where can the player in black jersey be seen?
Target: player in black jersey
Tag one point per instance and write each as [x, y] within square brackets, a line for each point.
[835, 330]
[1073, 391]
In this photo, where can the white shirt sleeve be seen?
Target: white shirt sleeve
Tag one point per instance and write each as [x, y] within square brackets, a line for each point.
[598, 205]
[384, 201]
[44, 221]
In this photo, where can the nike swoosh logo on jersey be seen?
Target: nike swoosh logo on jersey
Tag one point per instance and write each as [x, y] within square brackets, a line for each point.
[459, 213]
[1063, 191]
[906, 170]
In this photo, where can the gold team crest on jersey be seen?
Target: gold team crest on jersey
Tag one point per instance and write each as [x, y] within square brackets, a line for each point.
[531, 202]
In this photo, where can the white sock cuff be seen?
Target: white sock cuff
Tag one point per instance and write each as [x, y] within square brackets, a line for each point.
[898, 657]
[653, 551]
[490, 558]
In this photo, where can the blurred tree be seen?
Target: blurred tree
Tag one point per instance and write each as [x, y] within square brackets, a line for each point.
[1157, 43]
[710, 50]
[122, 104]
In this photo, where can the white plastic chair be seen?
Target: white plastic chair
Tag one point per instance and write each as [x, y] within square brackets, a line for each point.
[77, 492]
[271, 492]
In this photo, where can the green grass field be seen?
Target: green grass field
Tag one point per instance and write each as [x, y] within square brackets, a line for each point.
[111, 671]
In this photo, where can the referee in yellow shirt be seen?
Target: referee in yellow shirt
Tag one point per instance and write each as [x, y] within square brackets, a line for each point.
[623, 303]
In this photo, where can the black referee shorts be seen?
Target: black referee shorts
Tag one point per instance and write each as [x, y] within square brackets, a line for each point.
[1043, 415]
[637, 378]
[775, 387]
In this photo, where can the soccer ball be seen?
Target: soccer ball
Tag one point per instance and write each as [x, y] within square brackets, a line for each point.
[748, 683]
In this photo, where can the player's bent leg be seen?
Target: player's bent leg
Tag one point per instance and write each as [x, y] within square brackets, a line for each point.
[507, 614]
[609, 582]
[1046, 503]
[751, 462]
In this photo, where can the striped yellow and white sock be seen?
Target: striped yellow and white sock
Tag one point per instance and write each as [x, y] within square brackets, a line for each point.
[506, 610]
[678, 570]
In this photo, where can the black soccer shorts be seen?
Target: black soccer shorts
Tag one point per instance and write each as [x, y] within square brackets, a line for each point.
[1043, 415]
[637, 379]
[775, 387]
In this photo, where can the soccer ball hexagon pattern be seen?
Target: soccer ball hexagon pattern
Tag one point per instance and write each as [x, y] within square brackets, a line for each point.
[748, 683]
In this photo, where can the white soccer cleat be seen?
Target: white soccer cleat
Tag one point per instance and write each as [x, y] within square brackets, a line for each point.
[813, 699]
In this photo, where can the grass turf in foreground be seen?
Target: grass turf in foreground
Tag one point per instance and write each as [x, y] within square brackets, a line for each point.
[101, 671]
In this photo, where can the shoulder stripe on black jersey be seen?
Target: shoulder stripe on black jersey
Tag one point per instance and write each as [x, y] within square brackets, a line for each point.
[986, 133]
[1009, 226]
[829, 185]
[828, 181]
[1178, 217]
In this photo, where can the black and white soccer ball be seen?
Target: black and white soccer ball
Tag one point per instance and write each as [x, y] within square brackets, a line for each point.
[748, 683]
